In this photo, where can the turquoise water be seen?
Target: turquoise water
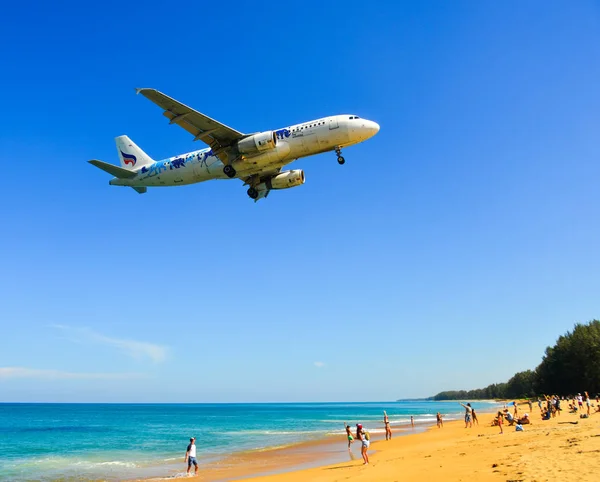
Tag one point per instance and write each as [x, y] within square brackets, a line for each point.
[117, 441]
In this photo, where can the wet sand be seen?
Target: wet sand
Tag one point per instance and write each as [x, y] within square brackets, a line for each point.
[305, 455]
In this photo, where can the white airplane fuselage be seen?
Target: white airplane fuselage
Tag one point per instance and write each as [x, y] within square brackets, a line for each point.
[294, 142]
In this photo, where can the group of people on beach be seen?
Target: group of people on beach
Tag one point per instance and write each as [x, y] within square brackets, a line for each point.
[470, 416]
[511, 418]
[550, 407]
[581, 404]
[363, 436]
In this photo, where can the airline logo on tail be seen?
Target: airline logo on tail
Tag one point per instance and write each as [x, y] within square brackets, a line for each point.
[129, 158]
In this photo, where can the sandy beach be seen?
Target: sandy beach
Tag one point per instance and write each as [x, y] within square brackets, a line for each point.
[563, 447]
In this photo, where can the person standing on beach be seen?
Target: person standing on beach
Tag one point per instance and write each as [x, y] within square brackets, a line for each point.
[190, 456]
[499, 418]
[364, 437]
[349, 435]
[587, 402]
[412, 421]
[468, 411]
[440, 422]
[474, 415]
[388, 430]
[530, 405]
[516, 410]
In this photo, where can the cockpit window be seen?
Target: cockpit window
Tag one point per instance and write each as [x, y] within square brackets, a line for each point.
[354, 117]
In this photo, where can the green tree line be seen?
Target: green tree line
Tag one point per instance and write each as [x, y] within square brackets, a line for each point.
[571, 366]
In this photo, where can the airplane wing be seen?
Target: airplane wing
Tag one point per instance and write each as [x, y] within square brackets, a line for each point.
[218, 136]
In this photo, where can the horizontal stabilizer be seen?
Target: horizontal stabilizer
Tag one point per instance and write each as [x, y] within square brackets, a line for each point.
[112, 169]
[140, 190]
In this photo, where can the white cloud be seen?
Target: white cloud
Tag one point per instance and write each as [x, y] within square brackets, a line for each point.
[139, 350]
[135, 349]
[319, 364]
[45, 374]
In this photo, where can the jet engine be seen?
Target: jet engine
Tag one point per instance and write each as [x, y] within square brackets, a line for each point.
[256, 143]
[283, 180]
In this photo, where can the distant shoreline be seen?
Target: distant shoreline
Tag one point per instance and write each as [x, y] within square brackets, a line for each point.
[458, 400]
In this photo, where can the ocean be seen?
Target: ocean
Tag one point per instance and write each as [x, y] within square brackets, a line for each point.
[45, 442]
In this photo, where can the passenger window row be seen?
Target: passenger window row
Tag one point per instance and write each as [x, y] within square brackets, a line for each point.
[320, 123]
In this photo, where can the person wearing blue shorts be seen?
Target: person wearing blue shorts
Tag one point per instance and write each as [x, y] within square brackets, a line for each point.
[190, 456]
[365, 439]
[468, 411]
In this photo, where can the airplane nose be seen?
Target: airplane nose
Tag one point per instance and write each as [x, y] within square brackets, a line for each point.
[372, 128]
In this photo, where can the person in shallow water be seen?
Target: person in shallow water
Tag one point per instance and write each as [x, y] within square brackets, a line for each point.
[190, 456]
[349, 435]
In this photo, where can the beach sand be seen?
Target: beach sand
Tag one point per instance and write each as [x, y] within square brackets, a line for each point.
[565, 447]
[546, 451]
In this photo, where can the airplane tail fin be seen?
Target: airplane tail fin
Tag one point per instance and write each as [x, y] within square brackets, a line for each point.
[131, 156]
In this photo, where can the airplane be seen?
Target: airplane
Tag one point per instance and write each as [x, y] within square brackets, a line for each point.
[257, 158]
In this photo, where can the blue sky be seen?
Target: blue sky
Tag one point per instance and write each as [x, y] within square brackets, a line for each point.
[447, 252]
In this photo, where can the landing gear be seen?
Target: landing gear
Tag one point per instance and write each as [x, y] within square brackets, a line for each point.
[253, 193]
[340, 159]
[229, 171]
